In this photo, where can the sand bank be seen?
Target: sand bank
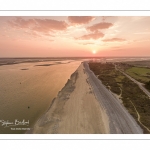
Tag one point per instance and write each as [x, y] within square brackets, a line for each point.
[74, 110]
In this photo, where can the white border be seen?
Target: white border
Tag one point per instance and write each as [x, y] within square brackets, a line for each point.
[74, 5]
[76, 136]
[74, 13]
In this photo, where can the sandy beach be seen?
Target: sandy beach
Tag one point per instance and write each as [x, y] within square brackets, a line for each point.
[75, 110]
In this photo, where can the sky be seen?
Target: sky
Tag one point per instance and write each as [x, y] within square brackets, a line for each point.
[74, 36]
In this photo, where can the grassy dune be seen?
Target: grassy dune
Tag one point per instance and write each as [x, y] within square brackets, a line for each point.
[139, 73]
[131, 95]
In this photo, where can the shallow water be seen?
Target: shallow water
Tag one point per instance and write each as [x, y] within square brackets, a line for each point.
[27, 90]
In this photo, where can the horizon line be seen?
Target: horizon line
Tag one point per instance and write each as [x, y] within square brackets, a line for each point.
[72, 56]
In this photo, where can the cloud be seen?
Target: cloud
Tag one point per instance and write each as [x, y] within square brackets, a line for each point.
[80, 20]
[105, 17]
[39, 25]
[86, 43]
[33, 34]
[94, 36]
[102, 25]
[49, 25]
[21, 23]
[114, 40]
[116, 47]
[142, 33]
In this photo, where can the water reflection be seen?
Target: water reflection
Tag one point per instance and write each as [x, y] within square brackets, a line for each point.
[27, 91]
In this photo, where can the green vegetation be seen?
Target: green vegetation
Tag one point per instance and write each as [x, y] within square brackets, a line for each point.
[139, 73]
[131, 93]
[147, 85]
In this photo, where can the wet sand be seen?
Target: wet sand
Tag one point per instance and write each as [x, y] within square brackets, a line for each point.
[75, 110]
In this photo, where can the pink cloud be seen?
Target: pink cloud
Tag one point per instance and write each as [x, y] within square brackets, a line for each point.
[80, 20]
[94, 36]
[39, 25]
[102, 25]
[114, 40]
[21, 23]
[86, 43]
[50, 25]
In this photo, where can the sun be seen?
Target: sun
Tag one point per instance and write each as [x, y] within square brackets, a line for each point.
[94, 51]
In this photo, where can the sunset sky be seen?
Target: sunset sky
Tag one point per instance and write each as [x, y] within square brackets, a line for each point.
[74, 36]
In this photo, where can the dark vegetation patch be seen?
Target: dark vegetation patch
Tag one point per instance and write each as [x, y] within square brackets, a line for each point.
[143, 63]
[45, 65]
[147, 85]
[58, 62]
[131, 93]
[24, 69]
[53, 64]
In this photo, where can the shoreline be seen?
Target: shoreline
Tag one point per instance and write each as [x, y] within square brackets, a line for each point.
[51, 104]
[75, 110]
